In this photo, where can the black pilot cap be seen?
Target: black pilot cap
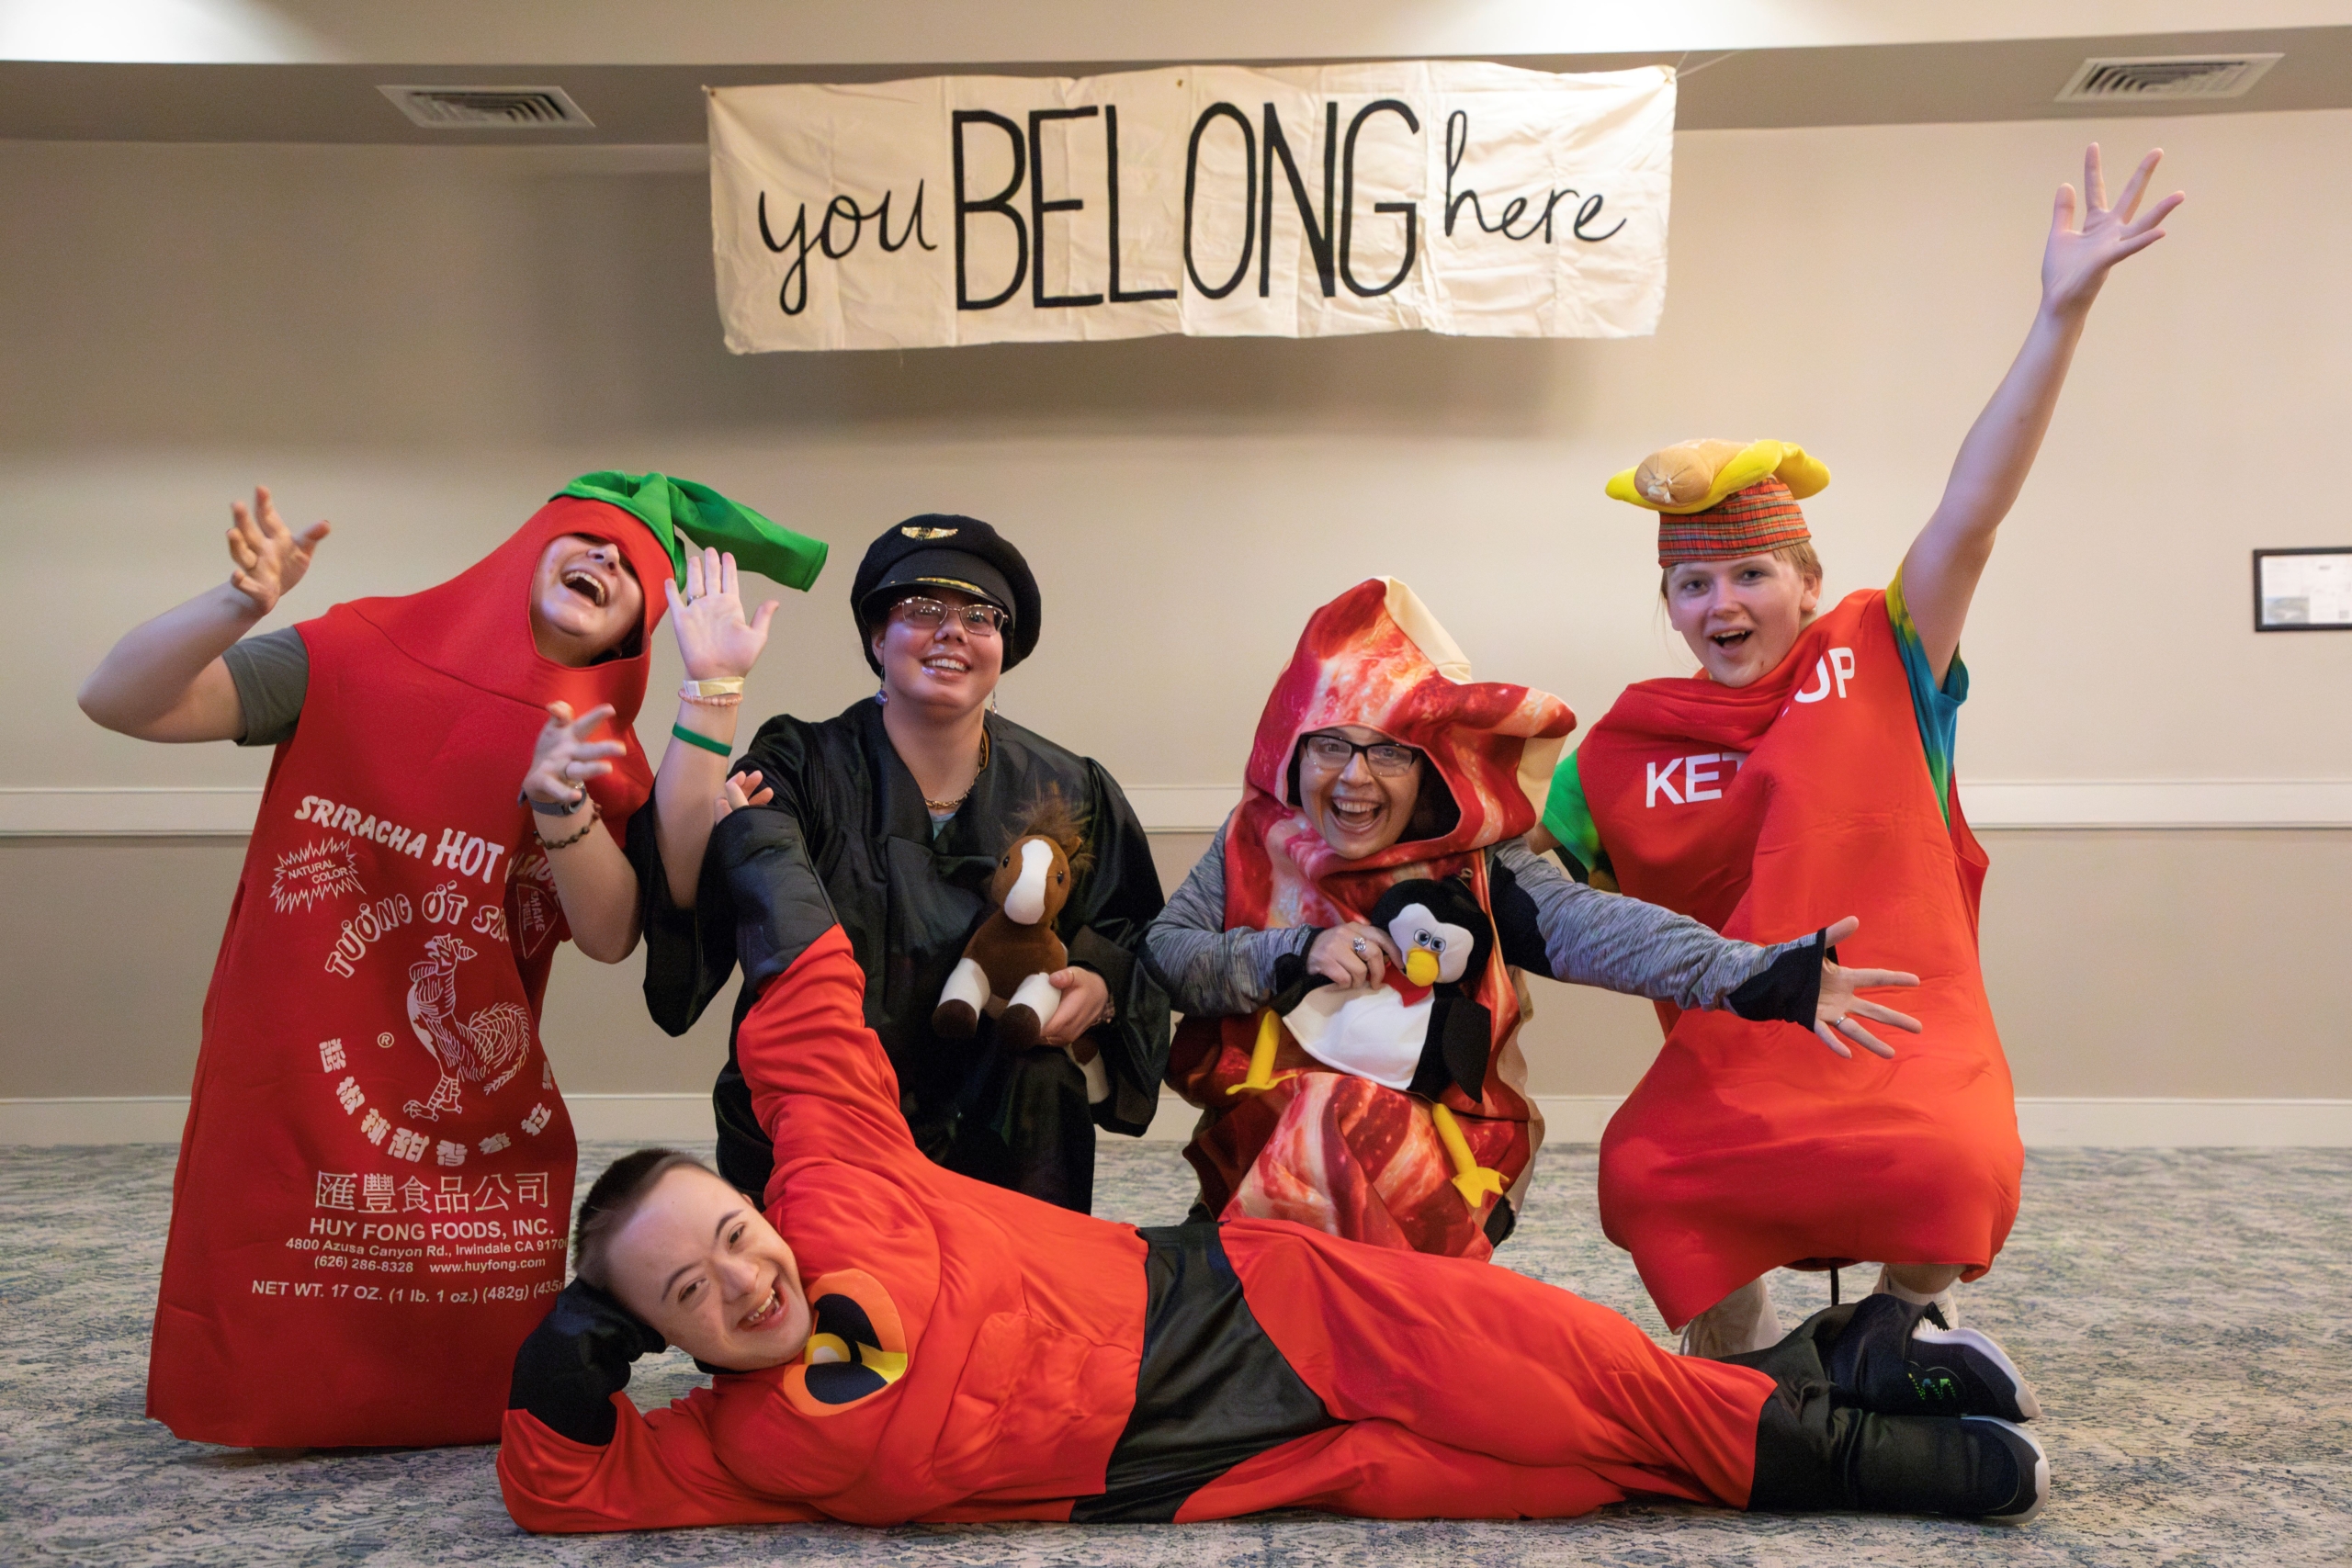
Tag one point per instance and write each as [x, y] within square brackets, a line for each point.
[940, 549]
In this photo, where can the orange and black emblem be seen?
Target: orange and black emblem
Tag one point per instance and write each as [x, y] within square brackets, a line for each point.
[856, 1346]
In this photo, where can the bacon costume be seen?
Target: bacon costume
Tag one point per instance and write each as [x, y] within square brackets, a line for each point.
[1763, 810]
[1335, 1151]
[977, 1354]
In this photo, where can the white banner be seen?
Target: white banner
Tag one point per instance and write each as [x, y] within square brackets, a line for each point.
[1467, 198]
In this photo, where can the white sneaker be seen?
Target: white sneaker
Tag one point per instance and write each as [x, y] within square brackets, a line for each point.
[1943, 1306]
[1741, 1322]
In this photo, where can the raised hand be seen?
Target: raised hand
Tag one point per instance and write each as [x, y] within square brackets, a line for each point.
[265, 557]
[1839, 1006]
[741, 790]
[714, 639]
[2075, 261]
[565, 756]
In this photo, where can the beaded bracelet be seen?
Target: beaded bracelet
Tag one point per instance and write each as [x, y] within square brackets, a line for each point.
[596, 814]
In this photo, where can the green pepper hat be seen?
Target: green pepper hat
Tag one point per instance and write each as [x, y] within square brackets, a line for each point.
[684, 514]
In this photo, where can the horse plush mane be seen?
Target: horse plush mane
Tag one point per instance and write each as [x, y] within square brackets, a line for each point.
[1006, 964]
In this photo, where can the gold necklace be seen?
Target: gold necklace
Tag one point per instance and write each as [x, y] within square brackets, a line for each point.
[947, 805]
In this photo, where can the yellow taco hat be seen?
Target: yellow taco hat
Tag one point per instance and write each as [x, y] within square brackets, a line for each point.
[1691, 476]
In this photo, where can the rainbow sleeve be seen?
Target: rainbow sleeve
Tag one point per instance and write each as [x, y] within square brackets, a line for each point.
[1567, 818]
[1936, 708]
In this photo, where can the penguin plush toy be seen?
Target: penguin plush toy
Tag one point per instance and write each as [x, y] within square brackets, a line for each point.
[1421, 1027]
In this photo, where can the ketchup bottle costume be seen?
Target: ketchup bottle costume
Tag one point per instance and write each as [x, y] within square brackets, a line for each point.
[1330, 1149]
[977, 1354]
[375, 1181]
[1762, 810]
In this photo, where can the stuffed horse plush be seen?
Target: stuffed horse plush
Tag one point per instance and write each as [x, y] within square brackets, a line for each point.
[1004, 969]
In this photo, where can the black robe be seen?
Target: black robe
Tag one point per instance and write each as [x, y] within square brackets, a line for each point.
[909, 904]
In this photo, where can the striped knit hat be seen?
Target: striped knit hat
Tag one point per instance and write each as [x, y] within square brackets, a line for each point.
[1722, 500]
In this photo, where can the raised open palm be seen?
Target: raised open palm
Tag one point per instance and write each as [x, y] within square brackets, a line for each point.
[2075, 261]
[714, 638]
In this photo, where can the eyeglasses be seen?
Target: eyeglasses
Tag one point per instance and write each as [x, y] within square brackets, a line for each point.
[1386, 758]
[927, 615]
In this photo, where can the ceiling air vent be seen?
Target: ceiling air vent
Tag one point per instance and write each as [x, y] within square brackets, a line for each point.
[2165, 76]
[496, 109]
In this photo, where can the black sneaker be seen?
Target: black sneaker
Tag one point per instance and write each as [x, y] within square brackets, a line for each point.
[1890, 1360]
[2030, 1466]
[1978, 1467]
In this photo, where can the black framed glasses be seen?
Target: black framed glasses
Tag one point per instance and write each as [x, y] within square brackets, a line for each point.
[926, 615]
[1386, 758]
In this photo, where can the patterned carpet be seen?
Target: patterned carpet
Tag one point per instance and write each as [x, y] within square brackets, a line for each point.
[2182, 1314]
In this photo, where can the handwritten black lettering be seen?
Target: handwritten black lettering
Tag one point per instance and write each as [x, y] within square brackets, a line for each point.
[1347, 204]
[1318, 236]
[1039, 207]
[1000, 204]
[1590, 210]
[792, 296]
[1111, 150]
[1248, 200]
[1457, 147]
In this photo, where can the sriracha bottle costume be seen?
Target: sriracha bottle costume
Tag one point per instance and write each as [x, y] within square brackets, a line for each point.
[375, 1181]
[1333, 1150]
[977, 1354]
[1757, 810]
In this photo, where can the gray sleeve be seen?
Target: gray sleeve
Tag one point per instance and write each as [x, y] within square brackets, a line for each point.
[1205, 968]
[1594, 938]
[272, 674]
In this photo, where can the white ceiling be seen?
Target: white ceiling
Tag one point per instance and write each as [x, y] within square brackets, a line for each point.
[712, 32]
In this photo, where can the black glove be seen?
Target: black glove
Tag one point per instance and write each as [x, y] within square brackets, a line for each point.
[576, 1360]
[1788, 989]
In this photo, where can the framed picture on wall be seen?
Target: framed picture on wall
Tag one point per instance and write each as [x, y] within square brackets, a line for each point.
[2302, 591]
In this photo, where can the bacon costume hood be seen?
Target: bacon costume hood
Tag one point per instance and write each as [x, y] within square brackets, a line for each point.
[1374, 656]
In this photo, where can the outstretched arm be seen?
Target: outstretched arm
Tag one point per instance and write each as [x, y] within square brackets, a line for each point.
[1940, 572]
[164, 679]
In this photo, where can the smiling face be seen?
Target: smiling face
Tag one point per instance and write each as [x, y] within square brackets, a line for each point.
[585, 599]
[701, 1265]
[1358, 811]
[946, 671]
[1741, 617]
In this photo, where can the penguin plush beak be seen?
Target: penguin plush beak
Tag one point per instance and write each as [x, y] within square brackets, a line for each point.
[1421, 967]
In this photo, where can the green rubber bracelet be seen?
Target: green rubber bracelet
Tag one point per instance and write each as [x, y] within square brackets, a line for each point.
[716, 748]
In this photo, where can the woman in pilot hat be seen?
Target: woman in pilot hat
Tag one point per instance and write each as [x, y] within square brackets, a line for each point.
[897, 808]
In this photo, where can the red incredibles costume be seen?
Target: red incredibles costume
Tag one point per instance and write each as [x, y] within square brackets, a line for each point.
[375, 1180]
[1333, 1150]
[1758, 810]
[977, 1354]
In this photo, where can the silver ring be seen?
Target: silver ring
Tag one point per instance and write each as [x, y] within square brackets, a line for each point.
[1361, 950]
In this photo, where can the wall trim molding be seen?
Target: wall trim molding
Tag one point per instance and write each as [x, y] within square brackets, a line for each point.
[228, 811]
[2045, 1121]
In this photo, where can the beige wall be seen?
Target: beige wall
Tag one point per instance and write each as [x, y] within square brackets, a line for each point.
[2120, 965]
[420, 343]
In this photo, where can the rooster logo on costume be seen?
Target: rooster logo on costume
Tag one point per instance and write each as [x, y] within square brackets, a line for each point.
[488, 1048]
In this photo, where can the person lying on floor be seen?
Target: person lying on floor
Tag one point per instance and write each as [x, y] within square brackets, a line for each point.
[894, 1342]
